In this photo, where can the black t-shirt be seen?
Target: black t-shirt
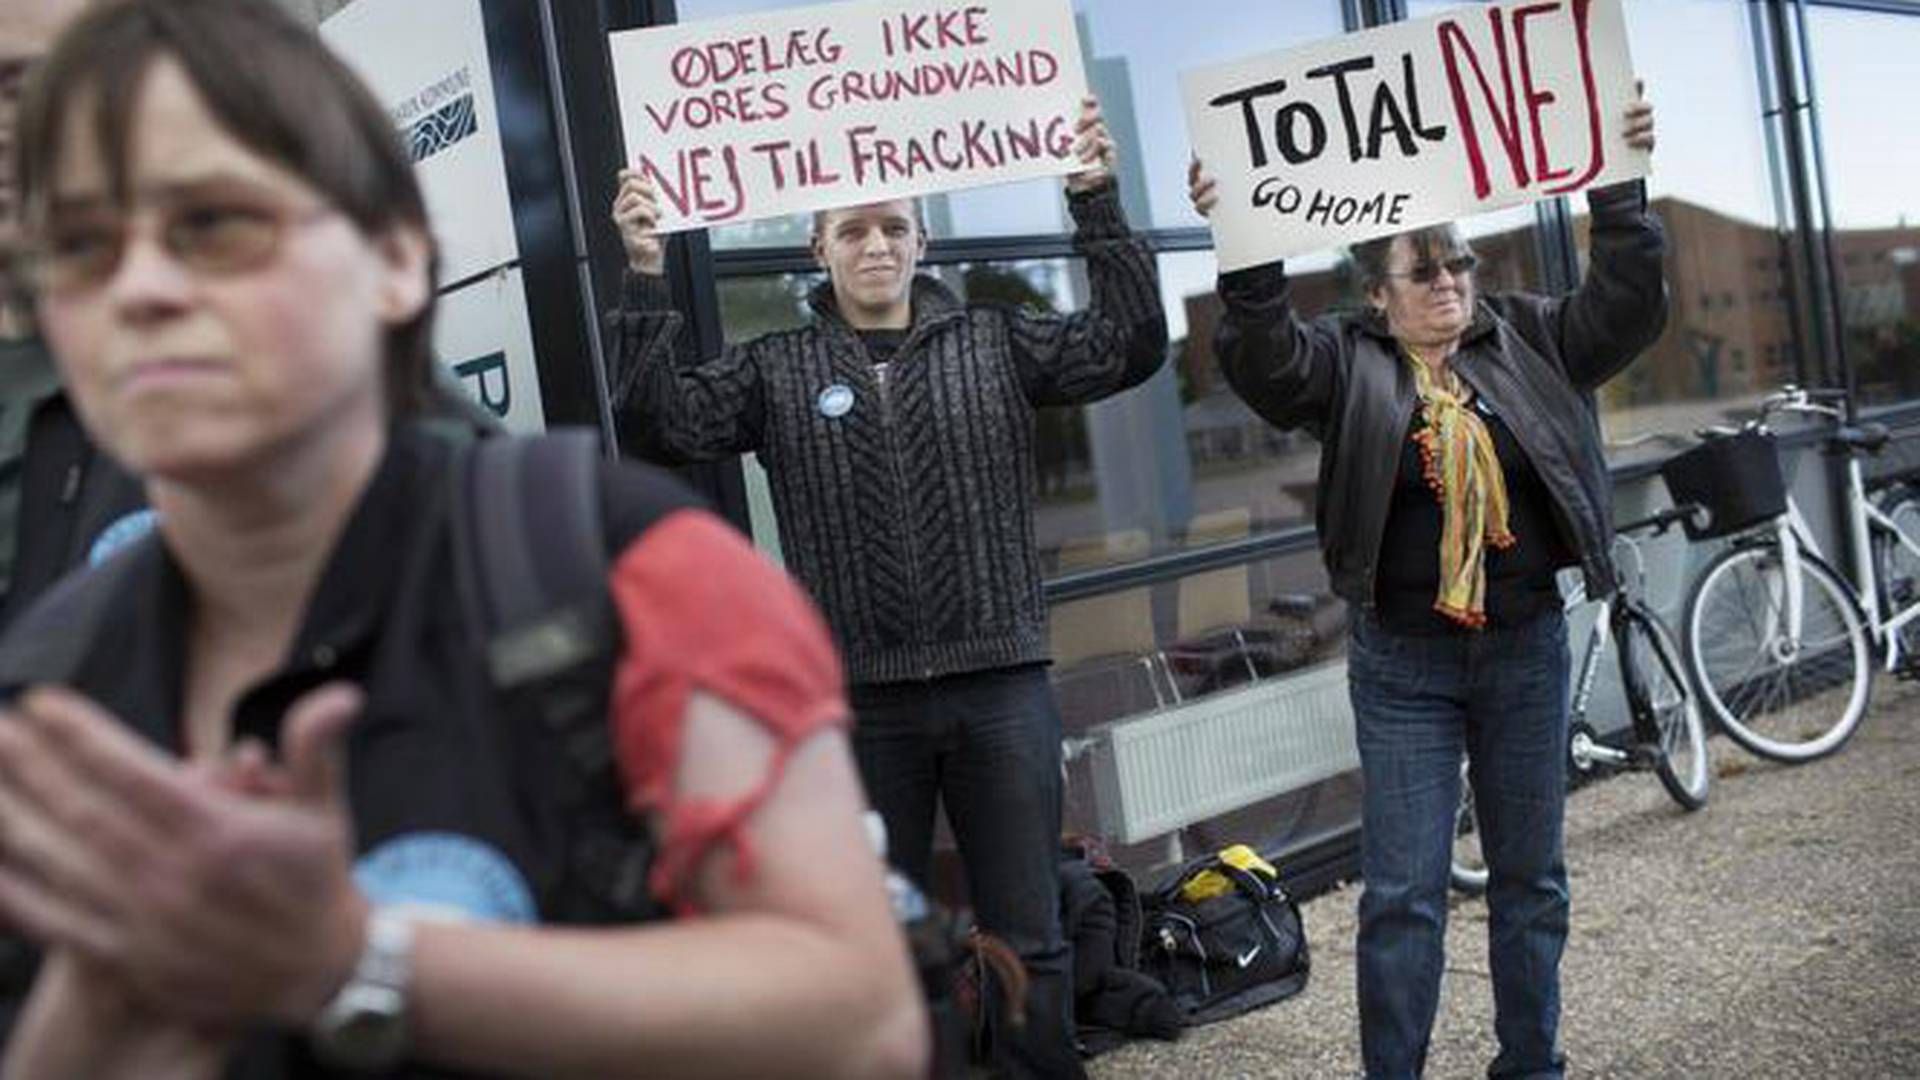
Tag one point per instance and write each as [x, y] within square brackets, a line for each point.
[882, 345]
[1520, 579]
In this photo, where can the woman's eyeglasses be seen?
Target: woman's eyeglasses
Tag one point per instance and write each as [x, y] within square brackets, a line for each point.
[210, 238]
[1426, 273]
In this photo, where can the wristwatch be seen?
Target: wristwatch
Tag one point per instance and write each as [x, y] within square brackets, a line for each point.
[364, 1027]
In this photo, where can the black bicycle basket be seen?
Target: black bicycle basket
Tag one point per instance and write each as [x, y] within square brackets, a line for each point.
[1736, 478]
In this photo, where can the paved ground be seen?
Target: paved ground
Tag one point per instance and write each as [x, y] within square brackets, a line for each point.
[1774, 934]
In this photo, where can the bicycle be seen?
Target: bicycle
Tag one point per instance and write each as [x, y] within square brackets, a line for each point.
[1779, 642]
[1668, 735]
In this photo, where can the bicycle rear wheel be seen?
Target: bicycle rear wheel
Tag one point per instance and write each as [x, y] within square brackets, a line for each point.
[1785, 699]
[1469, 870]
[1900, 572]
[1663, 690]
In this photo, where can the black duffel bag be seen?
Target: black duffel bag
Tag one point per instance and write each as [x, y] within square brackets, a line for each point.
[1228, 953]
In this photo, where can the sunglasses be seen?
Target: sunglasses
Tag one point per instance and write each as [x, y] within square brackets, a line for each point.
[210, 237]
[1426, 273]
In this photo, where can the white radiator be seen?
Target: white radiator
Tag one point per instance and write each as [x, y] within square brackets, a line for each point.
[1158, 771]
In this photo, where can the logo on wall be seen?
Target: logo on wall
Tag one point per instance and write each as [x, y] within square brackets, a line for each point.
[439, 116]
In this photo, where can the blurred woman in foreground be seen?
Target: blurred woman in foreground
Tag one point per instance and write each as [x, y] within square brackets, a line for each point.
[235, 271]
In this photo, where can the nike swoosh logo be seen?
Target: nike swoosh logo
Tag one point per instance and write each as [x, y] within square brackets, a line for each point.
[1246, 958]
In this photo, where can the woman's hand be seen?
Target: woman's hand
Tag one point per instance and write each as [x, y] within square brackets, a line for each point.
[1093, 146]
[636, 211]
[1202, 188]
[1639, 129]
[210, 904]
[81, 1021]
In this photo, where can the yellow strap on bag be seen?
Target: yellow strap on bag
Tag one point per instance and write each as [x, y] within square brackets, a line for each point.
[1208, 884]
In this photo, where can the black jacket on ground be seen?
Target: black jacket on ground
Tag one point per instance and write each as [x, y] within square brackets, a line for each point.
[1535, 359]
[1113, 999]
[905, 506]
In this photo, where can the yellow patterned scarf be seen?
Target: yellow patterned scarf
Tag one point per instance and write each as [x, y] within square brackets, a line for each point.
[1457, 455]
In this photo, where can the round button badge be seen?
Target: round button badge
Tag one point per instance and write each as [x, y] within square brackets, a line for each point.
[836, 401]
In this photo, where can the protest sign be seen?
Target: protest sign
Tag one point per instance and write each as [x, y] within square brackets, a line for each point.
[816, 107]
[1412, 124]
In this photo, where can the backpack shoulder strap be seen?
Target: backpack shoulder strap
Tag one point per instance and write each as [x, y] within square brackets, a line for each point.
[52, 641]
[531, 561]
[108, 495]
[530, 553]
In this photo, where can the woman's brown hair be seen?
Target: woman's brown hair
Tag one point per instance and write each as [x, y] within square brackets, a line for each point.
[274, 86]
[1430, 244]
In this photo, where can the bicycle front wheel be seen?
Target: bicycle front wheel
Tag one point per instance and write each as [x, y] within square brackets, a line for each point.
[1786, 697]
[1663, 691]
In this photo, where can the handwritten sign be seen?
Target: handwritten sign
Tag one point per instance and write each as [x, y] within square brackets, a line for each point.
[1413, 124]
[817, 107]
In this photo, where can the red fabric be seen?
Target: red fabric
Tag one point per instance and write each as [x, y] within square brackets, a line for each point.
[704, 611]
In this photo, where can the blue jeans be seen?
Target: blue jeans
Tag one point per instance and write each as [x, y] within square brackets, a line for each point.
[986, 743]
[1499, 696]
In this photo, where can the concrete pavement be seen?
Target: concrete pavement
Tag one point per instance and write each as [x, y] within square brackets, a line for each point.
[1776, 933]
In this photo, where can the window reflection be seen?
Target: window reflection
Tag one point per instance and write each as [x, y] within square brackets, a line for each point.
[1730, 335]
[1123, 653]
[751, 306]
[1241, 465]
[1119, 655]
[1862, 62]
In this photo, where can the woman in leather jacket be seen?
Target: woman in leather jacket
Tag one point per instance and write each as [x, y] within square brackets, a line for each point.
[1461, 467]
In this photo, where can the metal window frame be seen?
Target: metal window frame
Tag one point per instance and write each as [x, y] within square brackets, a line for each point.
[535, 158]
[579, 31]
[1884, 7]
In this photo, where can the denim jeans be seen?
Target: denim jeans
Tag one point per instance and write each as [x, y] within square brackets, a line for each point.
[1499, 696]
[987, 744]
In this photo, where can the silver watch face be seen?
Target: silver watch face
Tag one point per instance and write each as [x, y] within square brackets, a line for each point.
[364, 1028]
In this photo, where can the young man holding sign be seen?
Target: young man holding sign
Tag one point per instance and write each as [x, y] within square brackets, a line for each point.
[897, 430]
[1461, 466]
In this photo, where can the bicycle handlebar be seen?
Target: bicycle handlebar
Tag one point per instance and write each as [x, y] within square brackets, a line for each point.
[1814, 401]
[1786, 399]
[1790, 398]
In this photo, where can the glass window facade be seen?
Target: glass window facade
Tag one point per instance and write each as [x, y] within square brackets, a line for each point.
[1863, 64]
[1180, 465]
[1182, 462]
[1731, 335]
